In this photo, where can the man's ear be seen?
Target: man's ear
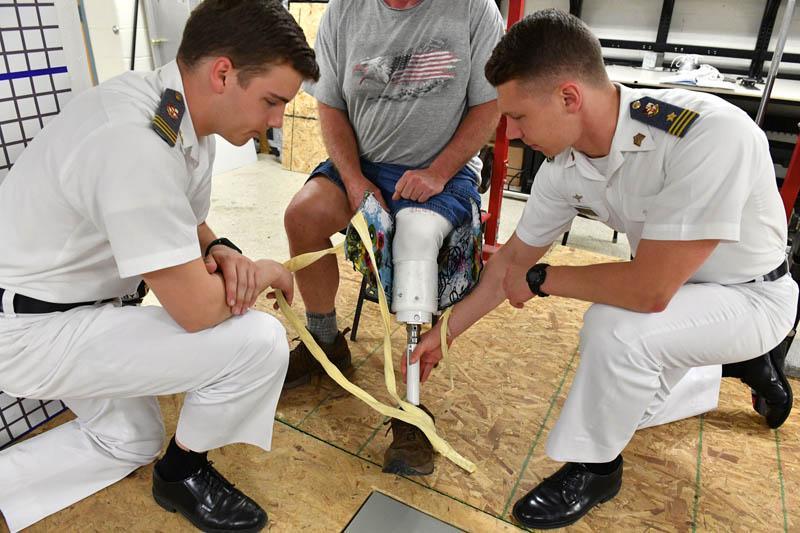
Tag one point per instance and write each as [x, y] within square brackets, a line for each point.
[221, 74]
[571, 95]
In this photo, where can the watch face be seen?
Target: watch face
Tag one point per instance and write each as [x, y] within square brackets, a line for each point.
[535, 277]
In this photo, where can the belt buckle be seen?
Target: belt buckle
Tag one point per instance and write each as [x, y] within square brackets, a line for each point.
[7, 303]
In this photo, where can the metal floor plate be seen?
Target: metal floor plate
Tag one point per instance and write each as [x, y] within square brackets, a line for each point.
[382, 513]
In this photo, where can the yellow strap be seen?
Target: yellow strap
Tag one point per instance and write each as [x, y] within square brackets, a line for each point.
[409, 413]
[443, 343]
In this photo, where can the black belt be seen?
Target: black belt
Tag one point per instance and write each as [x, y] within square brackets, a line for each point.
[27, 305]
[778, 273]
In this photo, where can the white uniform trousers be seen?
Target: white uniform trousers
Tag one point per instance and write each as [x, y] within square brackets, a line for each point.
[108, 363]
[643, 369]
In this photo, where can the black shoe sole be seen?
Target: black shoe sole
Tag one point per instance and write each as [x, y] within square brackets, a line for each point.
[563, 523]
[401, 468]
[305, 379]
[170, 508]
[760, 404]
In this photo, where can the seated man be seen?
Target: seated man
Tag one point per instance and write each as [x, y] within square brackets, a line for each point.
[114, 190]
[404, 108]
[688, 177]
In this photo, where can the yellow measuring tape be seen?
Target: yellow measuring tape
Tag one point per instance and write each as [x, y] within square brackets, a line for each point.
[408, 412]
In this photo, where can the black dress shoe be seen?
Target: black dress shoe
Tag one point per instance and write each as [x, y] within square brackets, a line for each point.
[209, 502]
[771, 391]
[566, 496]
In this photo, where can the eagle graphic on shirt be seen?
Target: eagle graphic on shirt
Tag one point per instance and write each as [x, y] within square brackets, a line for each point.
[410, 74]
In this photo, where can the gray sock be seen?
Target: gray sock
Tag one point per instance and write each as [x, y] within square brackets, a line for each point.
[323, 326]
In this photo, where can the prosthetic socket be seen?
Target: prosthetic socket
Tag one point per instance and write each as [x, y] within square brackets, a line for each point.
[419, 234]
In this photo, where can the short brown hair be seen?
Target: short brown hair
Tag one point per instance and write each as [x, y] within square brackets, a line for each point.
[253, 34]
[547, 44]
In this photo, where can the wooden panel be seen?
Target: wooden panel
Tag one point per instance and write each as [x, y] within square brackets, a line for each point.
[311, 18]
[287, 145]
[307, 147]
[305, 105]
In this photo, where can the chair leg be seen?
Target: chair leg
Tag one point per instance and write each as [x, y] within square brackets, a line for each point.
[614, 237]
[357, 317]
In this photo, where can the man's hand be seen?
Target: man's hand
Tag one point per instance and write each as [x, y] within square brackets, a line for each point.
[239, 273]
[515, 286]
[419, 185]
[428, 352]
[356, 188]
[275, 275]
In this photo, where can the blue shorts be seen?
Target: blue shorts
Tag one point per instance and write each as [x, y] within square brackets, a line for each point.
[453, 203]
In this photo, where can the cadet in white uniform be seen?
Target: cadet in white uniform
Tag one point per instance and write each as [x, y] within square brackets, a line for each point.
[115, 190]
[689, 179]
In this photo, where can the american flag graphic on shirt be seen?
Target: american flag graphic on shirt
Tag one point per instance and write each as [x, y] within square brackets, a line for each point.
[425, 66]
[408, 75]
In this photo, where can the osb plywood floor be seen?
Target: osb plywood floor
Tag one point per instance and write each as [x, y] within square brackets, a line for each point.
[724, 471]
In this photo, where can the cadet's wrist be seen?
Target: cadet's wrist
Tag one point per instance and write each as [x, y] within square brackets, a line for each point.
[266, 273]
[536, 277]
[221, 241]
[451, 333]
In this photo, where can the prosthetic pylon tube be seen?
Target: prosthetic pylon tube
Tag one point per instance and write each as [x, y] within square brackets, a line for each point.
[412, 370]
[415, 301]
[419, 234]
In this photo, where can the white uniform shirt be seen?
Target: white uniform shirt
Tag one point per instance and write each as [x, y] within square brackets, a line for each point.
[98, 198]
[715, 182]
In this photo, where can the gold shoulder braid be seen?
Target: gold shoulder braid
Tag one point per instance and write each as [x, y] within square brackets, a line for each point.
[667, 117]
[167, 120]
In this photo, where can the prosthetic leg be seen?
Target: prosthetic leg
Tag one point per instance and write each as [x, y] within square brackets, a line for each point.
[418, 236]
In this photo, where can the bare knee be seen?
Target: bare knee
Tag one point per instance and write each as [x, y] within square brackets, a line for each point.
[317, 211]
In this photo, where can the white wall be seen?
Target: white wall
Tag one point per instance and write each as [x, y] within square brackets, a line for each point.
[112, 51]
[721, 23]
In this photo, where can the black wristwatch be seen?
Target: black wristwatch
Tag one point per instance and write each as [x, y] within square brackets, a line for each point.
[223, 241]
[535, 278]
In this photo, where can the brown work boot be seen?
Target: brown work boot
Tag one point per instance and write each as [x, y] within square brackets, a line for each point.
[303, 366]
[411, 453]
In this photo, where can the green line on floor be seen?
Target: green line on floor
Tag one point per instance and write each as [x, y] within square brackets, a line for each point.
[553, 399]
[696, 503]
[372, 436]
[780, 478]
[373, 463]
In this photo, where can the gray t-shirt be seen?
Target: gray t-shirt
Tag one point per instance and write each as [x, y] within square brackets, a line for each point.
[406, 77]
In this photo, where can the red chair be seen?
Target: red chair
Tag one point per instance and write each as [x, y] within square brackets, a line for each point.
[791, 183]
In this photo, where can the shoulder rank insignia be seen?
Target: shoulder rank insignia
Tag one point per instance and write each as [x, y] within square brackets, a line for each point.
[167, 119]
[670, 118]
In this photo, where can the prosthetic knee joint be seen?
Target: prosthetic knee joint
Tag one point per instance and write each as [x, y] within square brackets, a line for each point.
[419, 234]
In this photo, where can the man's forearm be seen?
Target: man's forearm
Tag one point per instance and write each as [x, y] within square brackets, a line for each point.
[646, 284]
[614, 284]
[486, 296]
[489, 293]
[340, 141]
[475, 129]
[205, 236]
